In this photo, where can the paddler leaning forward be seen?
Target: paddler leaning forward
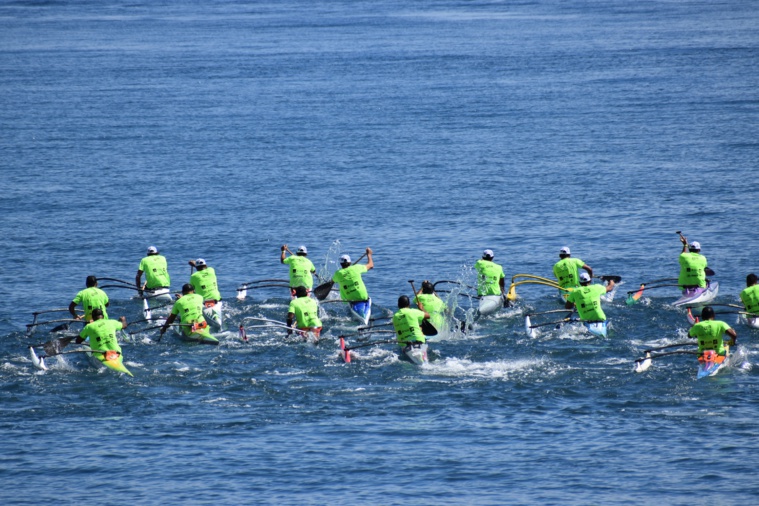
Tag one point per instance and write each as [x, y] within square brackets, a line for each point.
[407, 324]
[587, 300]
[189, 307]
[304, 312]
[101, 336]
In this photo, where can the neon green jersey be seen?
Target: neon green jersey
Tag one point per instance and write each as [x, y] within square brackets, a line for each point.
[301, 271]
[406, 323]
[351, 285]
[750, 299]
[587, 300]
[190, 310]
[306, 312]
[92, 298]
[435, 306]
[566, 272]
[489, 274]
[692, 267]
[102, 334]
[204, 283]
[709, 334]
[156, 272]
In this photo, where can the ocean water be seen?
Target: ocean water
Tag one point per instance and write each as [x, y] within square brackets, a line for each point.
[427, 131]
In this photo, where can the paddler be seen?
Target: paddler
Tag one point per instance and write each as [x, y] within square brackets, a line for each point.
[101, 333]
[692, 266]
[427, 298]
[567, 270]
[587, 299]
[90, 298]
[301, 269]
[304, 312]
[490, 277]
[204, 283]
[710, 333]
[189, 307]
[407, 322]
[156, 272]
[750, 294]
[352, 288]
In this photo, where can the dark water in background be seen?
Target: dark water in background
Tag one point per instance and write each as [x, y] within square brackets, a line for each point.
[428, 131]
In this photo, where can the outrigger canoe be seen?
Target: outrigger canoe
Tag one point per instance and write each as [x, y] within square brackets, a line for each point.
[709, 363]
[698, 296]
[416, 352]
[361, 310]
[489, 304]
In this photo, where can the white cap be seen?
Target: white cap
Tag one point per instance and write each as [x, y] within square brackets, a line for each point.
[200, 262]
[152, 249]
[694, 245]
[565, 251]
[345, 259]
[584, 277]
[302, 249]
[488, 254]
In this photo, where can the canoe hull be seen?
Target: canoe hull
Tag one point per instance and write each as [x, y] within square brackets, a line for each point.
[489, 304]
[416, 352]
[698, 296]
[599, 329]
[361, 311]
[710, 364]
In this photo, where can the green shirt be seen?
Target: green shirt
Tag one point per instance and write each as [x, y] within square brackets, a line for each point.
[435, 306]
[190, 310]
[351, 285]
[102, 334]
[156, 271]
[92, 298]
[709, 334]
[301, 271]
[204, 283]
[750, 298]
[489, 274]
[306, 312]
[566, 271]
[406, 323]
[692, 267]
[587, 300]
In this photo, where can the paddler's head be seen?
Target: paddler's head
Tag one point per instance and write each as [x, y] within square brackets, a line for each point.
[152, 250]
[707, 313]
[584, 278]
[488, 254]
[694, 247]
[91, 281]
[200, 264]
[751, 279]
[301, 291]
[428, 287]
[564, 252]
[345, 261]
[302, 251]
[97, 314]
[403, 302]
[187, 288]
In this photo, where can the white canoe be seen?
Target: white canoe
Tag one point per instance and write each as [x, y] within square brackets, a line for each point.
[489, 304]
[212, 314]
[157, 296]
[752, 322]
[599, 329]
[416, 352]
[698, 296]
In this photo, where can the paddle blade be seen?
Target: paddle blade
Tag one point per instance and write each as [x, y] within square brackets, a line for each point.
[428, 329]
[512, 294]
[708, 271]
[321, 291]
[616, 279]
[635, 297]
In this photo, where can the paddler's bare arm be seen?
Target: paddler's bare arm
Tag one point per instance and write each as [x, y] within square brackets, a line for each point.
[369, 261]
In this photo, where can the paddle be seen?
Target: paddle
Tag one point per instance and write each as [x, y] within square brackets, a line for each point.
[322, 291]
[54, 346]
[558, 322]
[642, 364]
[616, 279]
[428, 329]
[635, 295]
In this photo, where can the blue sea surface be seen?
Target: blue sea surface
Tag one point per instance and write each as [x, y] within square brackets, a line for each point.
[427, 131]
